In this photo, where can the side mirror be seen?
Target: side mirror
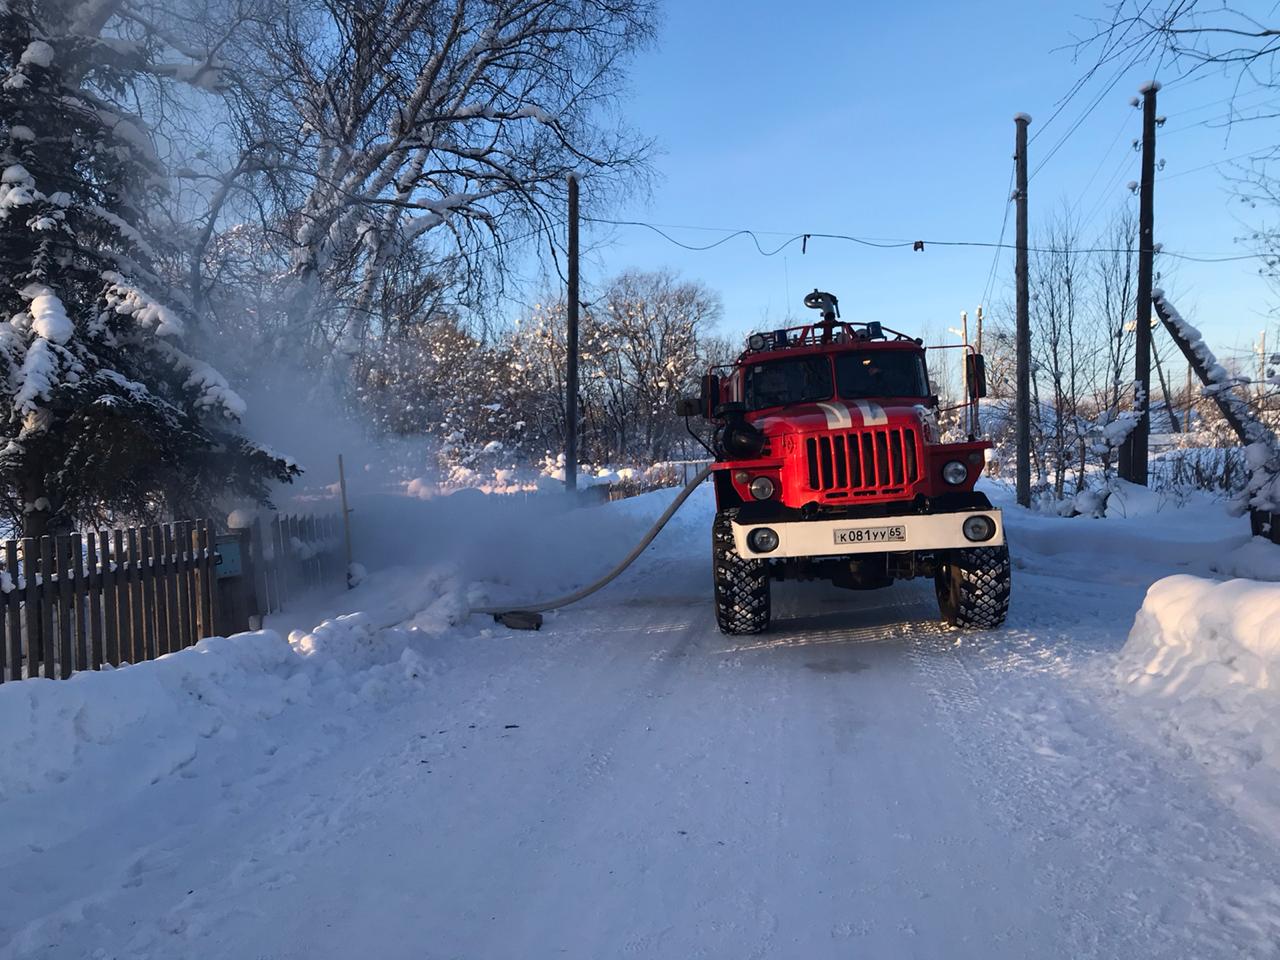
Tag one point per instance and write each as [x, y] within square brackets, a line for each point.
[710, 396]
[975, 374]
[705, 403]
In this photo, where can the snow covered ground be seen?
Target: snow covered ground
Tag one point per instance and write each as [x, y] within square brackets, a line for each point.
[408, 781]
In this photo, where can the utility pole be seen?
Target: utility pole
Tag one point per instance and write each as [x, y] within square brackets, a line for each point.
[571, 366]
[1136, 461]
[978, 345]
[1023, 399]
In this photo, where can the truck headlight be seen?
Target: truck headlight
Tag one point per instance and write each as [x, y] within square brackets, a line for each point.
[761, 488]
[762, 540]
[955, 472]
[978, 528]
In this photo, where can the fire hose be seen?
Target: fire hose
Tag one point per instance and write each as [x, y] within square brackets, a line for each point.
[529, 616]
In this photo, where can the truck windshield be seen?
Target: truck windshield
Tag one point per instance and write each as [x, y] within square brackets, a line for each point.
[794, 380]
[881, 373]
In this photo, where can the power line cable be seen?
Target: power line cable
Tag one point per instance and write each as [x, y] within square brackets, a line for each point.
[1206, 166]
[1109, 52]
[1004, 224]
[1088, 111]
[1109, 184]
[920, 244]
[1226, 119]
[1106, 155]
[1233, 99]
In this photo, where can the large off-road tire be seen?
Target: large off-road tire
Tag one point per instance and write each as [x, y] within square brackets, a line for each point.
[742, 586]
[973, 586]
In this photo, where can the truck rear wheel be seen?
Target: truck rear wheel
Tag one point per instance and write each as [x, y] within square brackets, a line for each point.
[973, 586]
[742, 586]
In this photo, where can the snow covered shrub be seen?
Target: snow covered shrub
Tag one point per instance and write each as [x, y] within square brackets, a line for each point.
[1261, 488]
[103, 408]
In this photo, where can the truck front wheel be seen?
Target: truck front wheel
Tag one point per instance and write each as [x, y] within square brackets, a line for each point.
[742, 586]
[973, 586]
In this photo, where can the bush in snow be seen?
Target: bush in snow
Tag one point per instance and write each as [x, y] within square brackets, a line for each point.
[103, 408]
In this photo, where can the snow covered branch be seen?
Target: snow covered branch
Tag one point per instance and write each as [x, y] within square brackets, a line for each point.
[1262, 452]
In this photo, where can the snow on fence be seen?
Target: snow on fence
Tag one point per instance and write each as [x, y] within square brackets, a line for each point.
[76, 602]
[668, 473]
[291, 555]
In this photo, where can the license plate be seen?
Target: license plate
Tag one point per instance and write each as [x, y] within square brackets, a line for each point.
[854, 535]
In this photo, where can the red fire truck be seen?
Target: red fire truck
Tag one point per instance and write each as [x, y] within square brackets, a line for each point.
[830, 465]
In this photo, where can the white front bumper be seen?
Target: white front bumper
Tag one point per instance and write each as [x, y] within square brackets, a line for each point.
[834, 538]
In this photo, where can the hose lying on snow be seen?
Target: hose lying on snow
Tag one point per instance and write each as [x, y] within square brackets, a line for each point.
[529, 616]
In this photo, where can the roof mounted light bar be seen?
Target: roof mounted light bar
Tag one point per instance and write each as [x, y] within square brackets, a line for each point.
[842, 331]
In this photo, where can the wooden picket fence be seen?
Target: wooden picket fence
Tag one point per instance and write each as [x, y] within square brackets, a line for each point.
[75, 602]
[292, 555]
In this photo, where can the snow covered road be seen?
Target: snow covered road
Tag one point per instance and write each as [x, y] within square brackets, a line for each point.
[628, 782]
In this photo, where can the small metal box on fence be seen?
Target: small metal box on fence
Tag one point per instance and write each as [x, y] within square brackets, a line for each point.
[78, 601]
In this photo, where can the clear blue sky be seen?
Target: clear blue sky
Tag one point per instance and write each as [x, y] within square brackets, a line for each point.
[896, 121]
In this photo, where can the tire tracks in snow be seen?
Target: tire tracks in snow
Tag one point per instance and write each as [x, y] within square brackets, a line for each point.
[1124, 842]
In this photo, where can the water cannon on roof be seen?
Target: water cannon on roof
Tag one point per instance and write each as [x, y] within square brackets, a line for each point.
[830, 307]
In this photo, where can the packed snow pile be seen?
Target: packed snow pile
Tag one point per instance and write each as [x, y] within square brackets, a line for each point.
[1204, 658]
[151, 720]
[1256, 559]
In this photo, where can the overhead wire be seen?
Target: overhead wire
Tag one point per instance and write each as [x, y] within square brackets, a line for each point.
[918, 244]
[1004, 224]
[1110, 51]
[1108, 185]
[1239, 156]
[1088, 112]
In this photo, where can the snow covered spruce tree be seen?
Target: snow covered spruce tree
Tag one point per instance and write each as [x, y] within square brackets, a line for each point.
[103, 410]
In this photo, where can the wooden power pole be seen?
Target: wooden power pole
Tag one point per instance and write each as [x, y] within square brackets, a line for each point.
[1023, 333]
[1134, 461]
[571, 366]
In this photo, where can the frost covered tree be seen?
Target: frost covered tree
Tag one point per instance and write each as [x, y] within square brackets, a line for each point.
[104, 410]
[498, 399]
[445, 126]
[653, 326]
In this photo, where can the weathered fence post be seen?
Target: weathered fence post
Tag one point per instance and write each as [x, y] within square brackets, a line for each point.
[79, 602]
[14, 601]
[94, 581]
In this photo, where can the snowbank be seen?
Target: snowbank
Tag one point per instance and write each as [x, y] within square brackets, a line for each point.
[1203, 658]
[198, 714]
[121, 730]
[1258, 559]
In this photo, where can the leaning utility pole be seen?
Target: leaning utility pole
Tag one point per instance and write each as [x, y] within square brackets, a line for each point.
[1134, 464]
[571, 367]
[1023, 399]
